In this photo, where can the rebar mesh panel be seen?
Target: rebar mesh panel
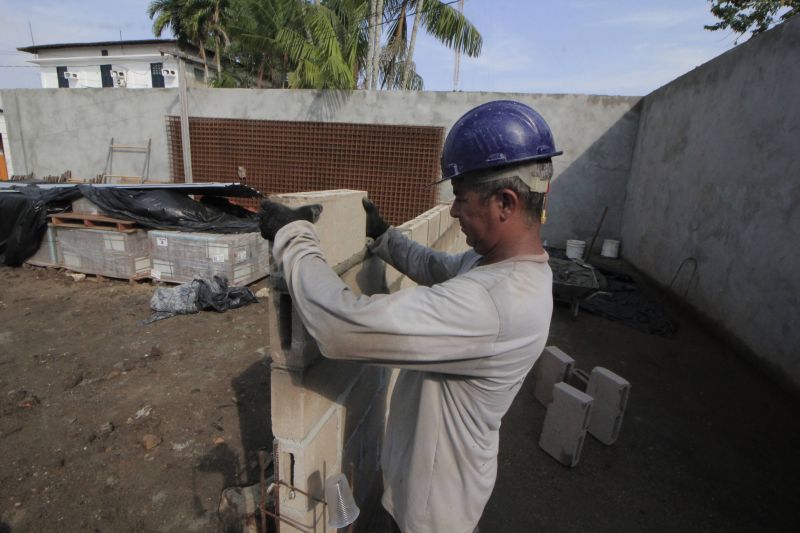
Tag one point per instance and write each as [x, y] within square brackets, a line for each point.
[395, 164]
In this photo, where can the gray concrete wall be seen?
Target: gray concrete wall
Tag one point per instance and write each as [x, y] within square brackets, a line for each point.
[716, 177]
[53, 130]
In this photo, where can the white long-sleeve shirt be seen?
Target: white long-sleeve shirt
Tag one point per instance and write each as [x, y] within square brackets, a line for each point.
[465, 339]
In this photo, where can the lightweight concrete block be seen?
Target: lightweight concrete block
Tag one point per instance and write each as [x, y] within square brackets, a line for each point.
[416, 229]
[434, 218]
[300, 398]
[553, 366]
[306, 465]
[291, 346]
[610, 393]
[565, 425]
[341, 226]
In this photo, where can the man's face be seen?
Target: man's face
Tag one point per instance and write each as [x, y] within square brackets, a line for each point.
[478, 218]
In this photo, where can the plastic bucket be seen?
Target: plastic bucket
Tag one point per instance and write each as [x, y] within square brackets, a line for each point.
[610, 248]
[575, 249]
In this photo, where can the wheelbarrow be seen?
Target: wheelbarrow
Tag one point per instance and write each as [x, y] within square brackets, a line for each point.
[574, 281]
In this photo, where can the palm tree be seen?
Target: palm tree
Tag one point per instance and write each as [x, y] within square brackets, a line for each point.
[329, 49]
[207, 17]
[174, 15]
[440, 20]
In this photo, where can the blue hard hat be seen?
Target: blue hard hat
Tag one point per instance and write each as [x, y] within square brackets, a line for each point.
[496, 134]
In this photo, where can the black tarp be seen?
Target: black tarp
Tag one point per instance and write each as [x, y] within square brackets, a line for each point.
[23, 213]
[23, 219]
[171, 210]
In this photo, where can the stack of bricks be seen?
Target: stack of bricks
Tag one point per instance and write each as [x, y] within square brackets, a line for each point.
[328, 416]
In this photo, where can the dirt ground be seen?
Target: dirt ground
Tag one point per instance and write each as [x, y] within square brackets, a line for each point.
[82, 384]
[708, 444]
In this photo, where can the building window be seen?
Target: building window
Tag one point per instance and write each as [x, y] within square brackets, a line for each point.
[103, 52]
[63, 82]
[199, 75]
[105, 76]
[156, 75]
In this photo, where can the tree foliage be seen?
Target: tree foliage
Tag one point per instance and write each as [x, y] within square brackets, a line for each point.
[319, 44]
[754, 16]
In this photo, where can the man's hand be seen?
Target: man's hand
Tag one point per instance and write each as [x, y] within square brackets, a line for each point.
[273, 217]
[376, 226]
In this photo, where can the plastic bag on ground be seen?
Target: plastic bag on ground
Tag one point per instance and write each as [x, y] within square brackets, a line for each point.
[198, 295]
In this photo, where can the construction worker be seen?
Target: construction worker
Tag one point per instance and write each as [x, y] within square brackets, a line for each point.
[465, 337]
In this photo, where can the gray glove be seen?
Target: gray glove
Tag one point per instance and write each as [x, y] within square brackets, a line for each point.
[273, 217]
[376, 226]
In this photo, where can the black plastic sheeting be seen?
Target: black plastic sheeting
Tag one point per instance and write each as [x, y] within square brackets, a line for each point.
[171, 210]
[23, 213]
[200, 294]
[23, 219]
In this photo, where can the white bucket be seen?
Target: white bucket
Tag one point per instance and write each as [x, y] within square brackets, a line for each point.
[610, 248]
[575, 249]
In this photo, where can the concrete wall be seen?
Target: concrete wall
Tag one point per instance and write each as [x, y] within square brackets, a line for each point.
[56, 130]
[328, 416]
[716, 178]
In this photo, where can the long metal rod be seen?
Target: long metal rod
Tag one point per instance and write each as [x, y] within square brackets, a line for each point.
[183, 96]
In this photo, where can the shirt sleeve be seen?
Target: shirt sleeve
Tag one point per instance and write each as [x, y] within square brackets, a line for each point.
[422, 264]
[446, 328]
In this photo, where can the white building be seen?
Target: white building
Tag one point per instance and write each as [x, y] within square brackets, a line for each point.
[149, 63]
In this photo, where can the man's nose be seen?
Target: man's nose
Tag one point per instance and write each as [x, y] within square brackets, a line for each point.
[453, 212]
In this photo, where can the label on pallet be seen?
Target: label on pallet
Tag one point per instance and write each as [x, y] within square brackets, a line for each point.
[162, 241]
[241, 255]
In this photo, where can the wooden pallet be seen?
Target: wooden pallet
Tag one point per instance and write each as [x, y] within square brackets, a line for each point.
[90, 221]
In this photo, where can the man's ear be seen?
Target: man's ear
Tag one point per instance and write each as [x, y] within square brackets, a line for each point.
[509, 203]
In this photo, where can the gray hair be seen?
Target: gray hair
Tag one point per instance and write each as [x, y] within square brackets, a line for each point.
[488, 183]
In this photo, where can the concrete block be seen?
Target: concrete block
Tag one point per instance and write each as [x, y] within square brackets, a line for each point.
[565, 425]
[305, 465]
[342, 224]
[300, 398]
[416, 229]
[291, 346]
[434, 218]
[552, 367]
[84, 205]
[610, 393]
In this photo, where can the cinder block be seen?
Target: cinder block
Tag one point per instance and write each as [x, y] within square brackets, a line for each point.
[48, 252]
[84, 205]
[300, 398]
[291, 346]
[610, 393]
[342, 224]
[416, 229]
[565, 424]
[434, 218]
[306, 465]
[552, 367]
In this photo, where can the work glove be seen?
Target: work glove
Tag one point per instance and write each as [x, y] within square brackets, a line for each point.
[376, 226]
[273, 217]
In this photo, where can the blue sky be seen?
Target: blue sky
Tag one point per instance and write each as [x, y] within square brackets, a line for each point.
[622, 47]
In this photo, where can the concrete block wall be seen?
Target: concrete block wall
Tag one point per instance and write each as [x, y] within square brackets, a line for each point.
[328, 416]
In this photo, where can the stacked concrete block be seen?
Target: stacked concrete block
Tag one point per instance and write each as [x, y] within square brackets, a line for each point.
[565, 424]
[610, 393]
[326, 415]
[552, 367]
[179, 257]
[341, 226]
[84, 205]
[107, 253]
[47, 254]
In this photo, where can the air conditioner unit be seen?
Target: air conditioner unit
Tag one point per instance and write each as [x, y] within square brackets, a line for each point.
[167, 72]
[121, 82]
[74, 75]
[67, 75]
[121, 74]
